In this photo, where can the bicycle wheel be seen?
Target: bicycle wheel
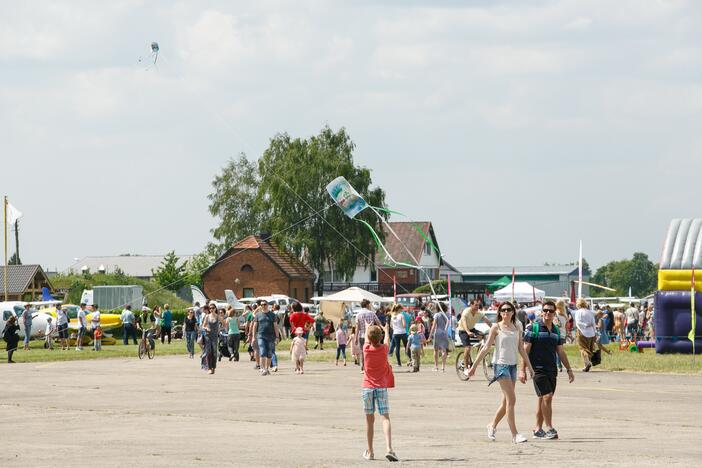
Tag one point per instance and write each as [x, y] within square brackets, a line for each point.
[460, 367]
[150, 351]
[142, 350]
[488, 369]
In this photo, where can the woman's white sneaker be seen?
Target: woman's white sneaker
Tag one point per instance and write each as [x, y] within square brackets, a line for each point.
[491, 432]
[519, 439]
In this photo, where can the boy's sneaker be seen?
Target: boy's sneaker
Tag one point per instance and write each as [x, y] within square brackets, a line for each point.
[390, 456]
[519, 439]
[491, 432]
[539, 434]
[551, 434]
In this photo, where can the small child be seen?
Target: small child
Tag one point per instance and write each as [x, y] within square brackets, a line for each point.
[415, 345]
[97, 339]
[340, 344]
[50, 329]
[355, 351]
[377, 378]
[298, 350]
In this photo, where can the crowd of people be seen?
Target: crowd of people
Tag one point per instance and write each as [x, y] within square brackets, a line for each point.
[528, 343]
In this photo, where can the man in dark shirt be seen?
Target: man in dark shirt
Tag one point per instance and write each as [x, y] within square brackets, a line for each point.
[543, 342]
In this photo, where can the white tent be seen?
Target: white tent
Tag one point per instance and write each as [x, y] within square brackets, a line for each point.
[523, 292]
[352, 294]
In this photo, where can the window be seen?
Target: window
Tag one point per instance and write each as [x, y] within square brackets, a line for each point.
[307, 294]
[247, 268]
[427, 248]
[295, 292]
[373, 275]
[248, 292]
[401, 274]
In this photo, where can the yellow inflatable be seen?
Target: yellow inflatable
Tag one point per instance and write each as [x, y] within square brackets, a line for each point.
[679, 280]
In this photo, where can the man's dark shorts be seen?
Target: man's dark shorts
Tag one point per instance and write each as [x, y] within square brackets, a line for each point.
[545, 382]
[465, 339]
[63, 330]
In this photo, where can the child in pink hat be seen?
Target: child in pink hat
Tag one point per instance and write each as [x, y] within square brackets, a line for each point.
[298, 350]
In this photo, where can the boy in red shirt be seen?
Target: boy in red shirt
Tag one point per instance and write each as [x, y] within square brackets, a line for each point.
[378, 377]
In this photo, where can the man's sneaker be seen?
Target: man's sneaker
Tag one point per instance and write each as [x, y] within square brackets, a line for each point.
[519, 439]
[491, 432]
[539, 434]
[390, 456]
[274, 368]
[551, 434]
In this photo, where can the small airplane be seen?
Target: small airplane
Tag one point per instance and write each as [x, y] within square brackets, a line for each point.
[16, 308]
[48, 306]
[231, 299]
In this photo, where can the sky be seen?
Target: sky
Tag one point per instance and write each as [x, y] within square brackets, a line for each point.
[517, 128]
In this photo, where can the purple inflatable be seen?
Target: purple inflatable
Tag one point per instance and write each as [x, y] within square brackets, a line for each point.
[672, 314]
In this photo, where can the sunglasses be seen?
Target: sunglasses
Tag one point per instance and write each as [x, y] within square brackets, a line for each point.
[549, 311]
[507, 310]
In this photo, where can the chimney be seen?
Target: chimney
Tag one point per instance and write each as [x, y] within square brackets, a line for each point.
[265, 236]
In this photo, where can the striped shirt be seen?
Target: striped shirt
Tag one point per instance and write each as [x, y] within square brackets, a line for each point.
[363, 320]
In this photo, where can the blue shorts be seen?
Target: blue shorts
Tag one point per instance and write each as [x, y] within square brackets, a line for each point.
[505, 371]
[266, 347]
[375, 398]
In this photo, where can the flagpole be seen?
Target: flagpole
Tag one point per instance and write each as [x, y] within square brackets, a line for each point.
[4, 225]
[580, 271]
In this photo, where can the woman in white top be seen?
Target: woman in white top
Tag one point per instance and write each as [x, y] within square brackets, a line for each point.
[399, 331]
[507, 336]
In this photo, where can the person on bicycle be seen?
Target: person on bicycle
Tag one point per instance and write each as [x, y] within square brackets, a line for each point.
[147, 325]
[466, 329]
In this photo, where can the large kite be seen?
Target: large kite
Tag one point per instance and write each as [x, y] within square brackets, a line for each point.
[351, 203]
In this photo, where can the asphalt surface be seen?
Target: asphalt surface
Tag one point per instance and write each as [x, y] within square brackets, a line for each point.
[167, 412]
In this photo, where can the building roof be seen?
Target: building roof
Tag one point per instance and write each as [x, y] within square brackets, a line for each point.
[682, 249]
[289, 265]
[519, 270]
[139, 266]
[19, 277]
[412, 240]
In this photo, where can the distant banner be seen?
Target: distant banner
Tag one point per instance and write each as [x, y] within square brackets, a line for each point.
[346, 197]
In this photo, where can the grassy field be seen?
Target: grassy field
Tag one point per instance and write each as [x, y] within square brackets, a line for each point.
[648, 361]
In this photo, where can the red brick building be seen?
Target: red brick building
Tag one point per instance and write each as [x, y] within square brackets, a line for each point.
[256, 266]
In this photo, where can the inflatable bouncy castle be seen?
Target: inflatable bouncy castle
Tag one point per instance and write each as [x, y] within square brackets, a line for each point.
[681, 260]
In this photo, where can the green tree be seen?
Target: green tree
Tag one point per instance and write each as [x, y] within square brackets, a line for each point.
[235, 201]
[200, 262]
[170, 274]
[290, 183]
[639, 273]
[14, 260]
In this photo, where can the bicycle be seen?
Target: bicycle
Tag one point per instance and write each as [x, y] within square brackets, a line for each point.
[146, 345]
[487, 362]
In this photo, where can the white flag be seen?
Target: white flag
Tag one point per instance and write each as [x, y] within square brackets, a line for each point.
[13, 214]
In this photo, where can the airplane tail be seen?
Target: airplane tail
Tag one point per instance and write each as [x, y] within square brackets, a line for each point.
[46, 294]
[198, 296]
[232, 299]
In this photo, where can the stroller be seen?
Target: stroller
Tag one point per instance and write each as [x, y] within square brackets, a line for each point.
[223, 349]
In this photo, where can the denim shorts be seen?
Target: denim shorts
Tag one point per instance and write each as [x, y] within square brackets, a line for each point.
[375, 398]
[266, 347]
[505, 371]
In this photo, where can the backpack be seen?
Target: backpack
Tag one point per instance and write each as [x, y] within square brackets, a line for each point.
[535, 330]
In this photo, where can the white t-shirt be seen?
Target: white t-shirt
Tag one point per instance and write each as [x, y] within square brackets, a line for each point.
[397, 327]
[95, 319]
[585, 322]
[81, 318]
[562, 321]
[61, 318]
[632, 315]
